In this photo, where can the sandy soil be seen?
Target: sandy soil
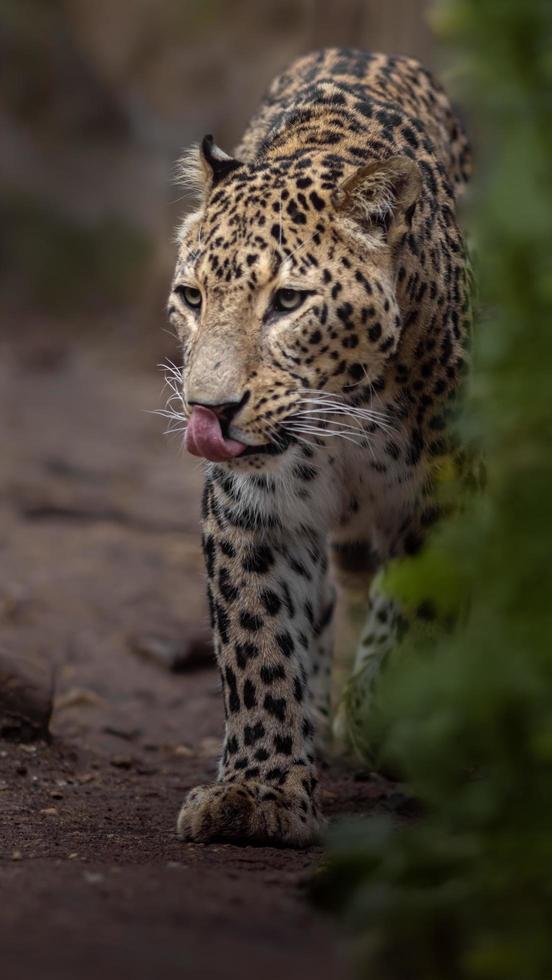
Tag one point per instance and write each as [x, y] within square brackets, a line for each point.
[101, 588]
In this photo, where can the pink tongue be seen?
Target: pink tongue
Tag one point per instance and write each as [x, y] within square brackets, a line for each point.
[204, 437]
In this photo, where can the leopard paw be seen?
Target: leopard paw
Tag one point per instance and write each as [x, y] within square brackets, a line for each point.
[248, 812]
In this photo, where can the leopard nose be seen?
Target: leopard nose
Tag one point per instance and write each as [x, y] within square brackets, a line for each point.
[225, 411]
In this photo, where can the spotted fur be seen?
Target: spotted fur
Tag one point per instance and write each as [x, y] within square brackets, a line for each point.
[343, 189]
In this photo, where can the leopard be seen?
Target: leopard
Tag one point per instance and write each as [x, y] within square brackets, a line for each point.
[321, 300]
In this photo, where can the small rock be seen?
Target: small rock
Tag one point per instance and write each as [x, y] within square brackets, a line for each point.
[25, 696]
[93, 877]
[56, 795]
[210, 746]
[49, 811]
[85, 777]
[77, 697]
[121, 761]
[16, 855]
[193, 650]
[128, 734]
[186, 750]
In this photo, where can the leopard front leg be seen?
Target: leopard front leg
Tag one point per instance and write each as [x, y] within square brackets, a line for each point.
[264, 589]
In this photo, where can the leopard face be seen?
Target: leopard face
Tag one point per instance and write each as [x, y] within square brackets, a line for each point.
[285, 286]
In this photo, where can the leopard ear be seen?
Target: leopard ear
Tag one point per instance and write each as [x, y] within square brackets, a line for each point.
[216, 164]
[382, 194]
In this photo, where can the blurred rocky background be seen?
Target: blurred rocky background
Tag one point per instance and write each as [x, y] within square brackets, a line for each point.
[97, 101]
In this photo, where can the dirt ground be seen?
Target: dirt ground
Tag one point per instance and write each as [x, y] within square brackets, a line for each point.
[101, 590]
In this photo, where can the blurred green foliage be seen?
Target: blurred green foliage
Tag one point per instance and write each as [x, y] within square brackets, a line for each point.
[466, 892]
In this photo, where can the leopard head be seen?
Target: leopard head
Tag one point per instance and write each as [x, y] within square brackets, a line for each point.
[285, 296]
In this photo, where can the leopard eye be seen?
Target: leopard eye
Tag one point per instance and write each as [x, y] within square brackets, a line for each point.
[287, 299]
[190, 295]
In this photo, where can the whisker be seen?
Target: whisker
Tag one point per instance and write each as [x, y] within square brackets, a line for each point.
[315, 441]
[166, 414]
[343, 426]
[337, 399]
[325, 423]
[328, 408]
[358, 424]
[173, 380]
[328, 404]
[326, 433]
[299, 247]
[273, 433]
[344, 407]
